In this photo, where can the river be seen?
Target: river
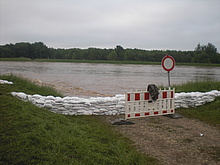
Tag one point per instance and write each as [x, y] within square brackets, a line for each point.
[108, 79]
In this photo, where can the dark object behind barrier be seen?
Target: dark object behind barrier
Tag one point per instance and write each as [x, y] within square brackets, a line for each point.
[122, 121]
[153, 90]
[174, 116]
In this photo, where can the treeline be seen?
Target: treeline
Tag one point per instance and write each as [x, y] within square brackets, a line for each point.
[38, 50]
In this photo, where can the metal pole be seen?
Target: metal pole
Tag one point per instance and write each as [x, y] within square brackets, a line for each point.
[169, 78]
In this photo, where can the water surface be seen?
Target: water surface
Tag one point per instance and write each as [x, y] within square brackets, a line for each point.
[106, 78]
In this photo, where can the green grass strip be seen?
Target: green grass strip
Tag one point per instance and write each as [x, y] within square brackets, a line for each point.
[199, 86]
[15, 59]
[208, 113]
[32, 135]
[26, 86]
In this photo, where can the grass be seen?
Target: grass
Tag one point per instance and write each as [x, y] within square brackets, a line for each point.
[106, 61]
[200, 86]
[210, 112]
[32, 135]
[27, 86]
[81, 61]
[15, 59]
[98, 61]
[198, 64]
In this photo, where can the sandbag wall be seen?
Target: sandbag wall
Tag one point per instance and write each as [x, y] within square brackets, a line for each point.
[77, 106]
[107, 105]
[194, 99]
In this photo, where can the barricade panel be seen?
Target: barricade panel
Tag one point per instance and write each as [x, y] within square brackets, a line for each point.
[140, 104]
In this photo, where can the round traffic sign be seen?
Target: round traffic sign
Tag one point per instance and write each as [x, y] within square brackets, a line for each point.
[168, 63]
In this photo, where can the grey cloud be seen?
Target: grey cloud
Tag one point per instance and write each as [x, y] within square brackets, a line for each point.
[136, 24]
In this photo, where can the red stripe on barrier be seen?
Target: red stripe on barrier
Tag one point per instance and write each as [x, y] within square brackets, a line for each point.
[146, 96]
[171, 94]
[129, 115]
[137, 96]
[171, 110]
[129, 98]
[137, 114]
[146, 114]
[164, 95]
[164, 111]
[156, 113]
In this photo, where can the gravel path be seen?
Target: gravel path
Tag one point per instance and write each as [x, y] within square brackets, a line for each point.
[173, 141]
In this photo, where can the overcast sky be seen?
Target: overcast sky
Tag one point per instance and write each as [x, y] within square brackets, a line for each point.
[142, 24]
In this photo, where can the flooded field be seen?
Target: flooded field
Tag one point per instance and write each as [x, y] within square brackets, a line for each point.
[107, 79]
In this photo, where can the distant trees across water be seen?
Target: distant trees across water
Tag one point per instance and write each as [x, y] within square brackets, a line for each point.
[38, 50]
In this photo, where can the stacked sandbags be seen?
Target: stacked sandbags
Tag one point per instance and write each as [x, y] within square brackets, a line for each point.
[194, 99]
[77, 106]
[5, 82]
[107, 105]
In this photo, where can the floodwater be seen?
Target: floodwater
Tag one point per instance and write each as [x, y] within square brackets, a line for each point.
[106, 78]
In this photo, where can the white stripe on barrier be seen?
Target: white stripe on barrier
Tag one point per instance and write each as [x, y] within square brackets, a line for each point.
[140, 104]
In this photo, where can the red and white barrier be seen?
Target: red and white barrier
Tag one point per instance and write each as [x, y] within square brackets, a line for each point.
[140, 104]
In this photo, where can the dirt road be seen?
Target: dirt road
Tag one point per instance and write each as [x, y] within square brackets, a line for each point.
[174, 141]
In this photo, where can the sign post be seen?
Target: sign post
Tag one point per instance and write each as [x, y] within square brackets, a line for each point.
[168, 64]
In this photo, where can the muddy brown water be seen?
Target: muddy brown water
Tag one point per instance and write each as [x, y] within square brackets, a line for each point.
[107, 79]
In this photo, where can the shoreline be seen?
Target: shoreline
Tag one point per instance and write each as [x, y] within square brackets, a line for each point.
[105, 62]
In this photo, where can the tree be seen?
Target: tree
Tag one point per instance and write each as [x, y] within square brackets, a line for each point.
[210, 49]
[39, 50]
[198, 48]
[120, 52]
[202, 53]
[22, 49]
[112, 56]
[201, 58]
[77, 54]
[6, 52]
[206, 54]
